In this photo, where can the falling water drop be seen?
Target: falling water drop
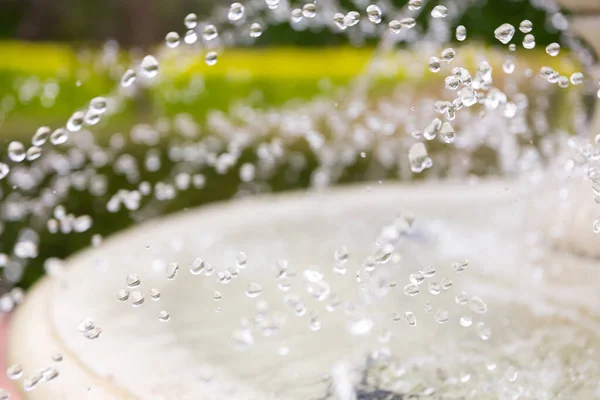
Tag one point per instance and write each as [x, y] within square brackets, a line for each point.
[132, 280]
[137, 298]
[461, 33]
[407, 23]
[484, 331]
[41, 136]
[439, 11]
[172, 269]
[154, 294]
[190, 37]
[410, 318]
[210, 58]
[59, 136]
[504, 33]
[190, 21]
[197, 266]
[395, 26]
[447, 132]
[374, 13]
[418, 158]
[236, 12]
[14, 372]
[415, 5]
[460, 266]
[75, 123]
[309, 10]
[477, 305]
[466, 321]
[411, 289]
[576, 78]
[128, 78]
[172, 39]
[441, 316]
[553, 49]
[16, 151]
[434, 64]
[256, 30]
[164, 316]
[526, 26]
[529, 41]
[253, 290]
[122, 295]
[149, 67]
[351, 18]
[210, 32]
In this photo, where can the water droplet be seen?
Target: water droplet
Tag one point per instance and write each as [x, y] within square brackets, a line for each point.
[210, 32]
[197, 266]
[190, 37]
[172, 40]
[33, 153]
[441, 316]
[395, 26]
[41, 136]
[272, 4]
[122, 295]
[164, 316]
[4, 395]
[445, 283]
[59, 136]
[529, 41]
[340, 256]
[407, 23]
[210, 58]
[504, 33]
[466, 321]
[99, 105]
[429, 271]
[448, 54]
[86, 325]
[351, 18]
[447, 132]
[132, 280]
[434, 64]
[149, 67]
[410, 318]
[338, 19]
[14, 372]
[460, 266]
[16, 151]
[30, 383]
[314, 323]
[462, 298]
[312, 275]
[484, 331]
[172, 269]
[477, 305]
[415, 5]
[411, 289]
[50, 374]
[224, 277]
[417, 278]
[256, 30]
[461, 33]
[526, 26]
[434, 287]
[576, 78]
[253, 290]
[508, 66]
[596, 225]
[553, 49]
[418, 158]
[217, 296]
[296, 15]
[128, 78]
[57, 357]
[137, 298]
[154, 294]
[190, 21]
[236, 12]
[309, 10]
[511, 374]
[93, 334]
[439, 11]
[374, 13]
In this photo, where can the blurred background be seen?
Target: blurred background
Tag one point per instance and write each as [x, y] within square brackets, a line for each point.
[57, 55]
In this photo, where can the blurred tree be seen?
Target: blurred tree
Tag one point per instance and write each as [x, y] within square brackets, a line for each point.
[144, 22]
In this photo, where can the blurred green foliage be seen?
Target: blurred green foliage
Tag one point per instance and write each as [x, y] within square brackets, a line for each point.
[145, 22]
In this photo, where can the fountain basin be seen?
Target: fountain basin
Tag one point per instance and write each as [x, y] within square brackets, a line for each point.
[533, 300]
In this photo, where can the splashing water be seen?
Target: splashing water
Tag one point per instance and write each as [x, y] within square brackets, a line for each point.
[379, 305]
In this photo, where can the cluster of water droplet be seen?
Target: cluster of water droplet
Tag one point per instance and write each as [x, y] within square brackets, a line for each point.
[473, 111]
